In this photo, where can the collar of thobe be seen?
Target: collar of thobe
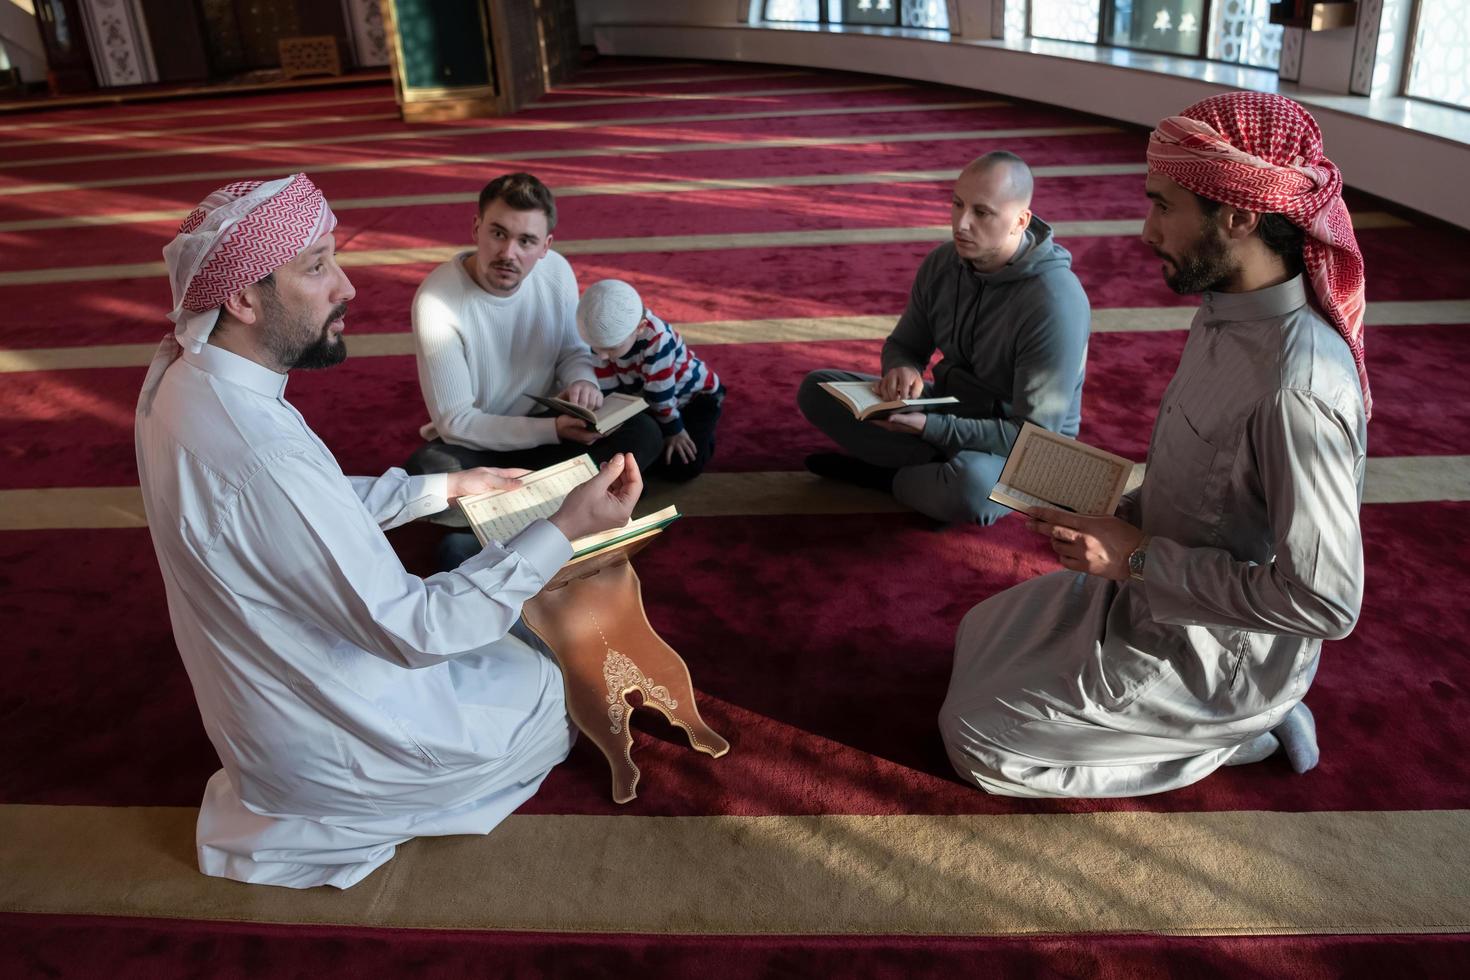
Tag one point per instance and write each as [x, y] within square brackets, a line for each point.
[1261, 304]
[237, 370]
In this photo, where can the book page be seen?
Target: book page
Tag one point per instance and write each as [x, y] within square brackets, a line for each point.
[499, 515]
[592, 543]
[1056, 471]
[617, 409]
[858, 395]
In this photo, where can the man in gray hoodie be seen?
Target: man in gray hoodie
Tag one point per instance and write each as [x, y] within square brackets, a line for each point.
[1010, 320]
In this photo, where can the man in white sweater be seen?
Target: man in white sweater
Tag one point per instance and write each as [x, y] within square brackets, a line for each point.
[494, 326]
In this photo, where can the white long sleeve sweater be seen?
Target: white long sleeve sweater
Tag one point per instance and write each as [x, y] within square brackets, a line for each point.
[480, 356]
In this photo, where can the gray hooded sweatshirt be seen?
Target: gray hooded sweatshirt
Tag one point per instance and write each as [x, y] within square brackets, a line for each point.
[1013, 343]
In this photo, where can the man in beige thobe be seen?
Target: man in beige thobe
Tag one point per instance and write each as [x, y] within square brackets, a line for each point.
[1186, 629]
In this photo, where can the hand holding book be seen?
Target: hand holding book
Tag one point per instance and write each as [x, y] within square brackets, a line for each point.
[603, 502]
[591, 506]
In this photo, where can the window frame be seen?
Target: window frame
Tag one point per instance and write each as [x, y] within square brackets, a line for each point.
[1105, 9]
[1411, 45]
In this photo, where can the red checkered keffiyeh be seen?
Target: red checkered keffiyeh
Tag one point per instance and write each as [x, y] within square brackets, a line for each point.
[236, 236]
[1262, 152]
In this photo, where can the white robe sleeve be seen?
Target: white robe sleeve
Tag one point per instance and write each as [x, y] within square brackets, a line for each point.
[299, 540]
[396, 498]
[1309, 467]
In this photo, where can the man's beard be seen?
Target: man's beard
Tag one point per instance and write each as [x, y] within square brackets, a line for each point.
[1207, 267]
[293, 353]
[326, 351]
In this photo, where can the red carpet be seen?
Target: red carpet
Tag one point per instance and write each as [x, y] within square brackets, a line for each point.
[824, 668]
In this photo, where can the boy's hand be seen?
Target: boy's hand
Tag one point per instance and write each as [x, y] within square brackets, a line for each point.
[583, 393]
[680, 446]
[603, 502]
[572, 429]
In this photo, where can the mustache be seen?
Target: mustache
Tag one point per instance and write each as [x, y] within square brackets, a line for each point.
[338, 312]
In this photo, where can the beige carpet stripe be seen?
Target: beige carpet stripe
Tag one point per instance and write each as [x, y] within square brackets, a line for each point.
[364, 258]
[729, 96]
[792, 330]
[128, 135]
[1390, 480]
[468, 198]
[499, 126]
[384, 98]
[219, 127]
[1230, 873]
[686, 80]
[378, 162]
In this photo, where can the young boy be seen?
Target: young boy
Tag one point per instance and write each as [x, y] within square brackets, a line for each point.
[640, 354]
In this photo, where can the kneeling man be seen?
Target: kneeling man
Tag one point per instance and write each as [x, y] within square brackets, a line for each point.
[1188, 627]
[1010, 320]
[353, 705]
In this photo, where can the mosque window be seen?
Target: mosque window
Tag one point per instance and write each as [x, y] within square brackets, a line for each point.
[1221, 30]
[1439, 59]
[930, 14]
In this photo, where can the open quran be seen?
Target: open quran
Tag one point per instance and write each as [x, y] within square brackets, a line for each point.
[616, 409]
[498, 515]
[863, 402]
[1045, 469]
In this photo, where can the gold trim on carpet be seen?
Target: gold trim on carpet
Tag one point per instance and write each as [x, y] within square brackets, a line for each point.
[502, 125]
[379, 162]
[364, 258]
[1390, 480]
[730, 96]
[139, 134]
[300, 120]
[690, 80]
[469, 198]
[1220, 873]
[385, 97]
[715, 332]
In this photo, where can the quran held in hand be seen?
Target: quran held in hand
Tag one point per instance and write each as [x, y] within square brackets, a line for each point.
[865, 404]
[499, 515]
[1045, 469]
[616, 409]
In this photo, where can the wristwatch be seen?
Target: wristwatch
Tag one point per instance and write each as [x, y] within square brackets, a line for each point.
[1136, 559]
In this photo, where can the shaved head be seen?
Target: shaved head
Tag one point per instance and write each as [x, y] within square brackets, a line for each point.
[1014, 177]
[991, 210]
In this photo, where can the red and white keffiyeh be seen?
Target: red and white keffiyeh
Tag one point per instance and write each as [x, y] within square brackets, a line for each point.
[236, 236]
[1261, 152]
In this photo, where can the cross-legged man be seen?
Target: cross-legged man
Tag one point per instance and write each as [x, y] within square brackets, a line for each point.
[1010, 320]
[497, 324]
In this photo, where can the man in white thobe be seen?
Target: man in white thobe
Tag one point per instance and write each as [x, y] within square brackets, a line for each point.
[1187, 628]
[353, 705]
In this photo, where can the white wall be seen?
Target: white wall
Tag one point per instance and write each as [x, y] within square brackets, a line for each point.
[591, 13]
[21, 39]
[1413, 168]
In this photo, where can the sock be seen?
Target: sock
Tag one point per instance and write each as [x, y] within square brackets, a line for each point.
[1298, 734]
[837, 466]
[1258, 748]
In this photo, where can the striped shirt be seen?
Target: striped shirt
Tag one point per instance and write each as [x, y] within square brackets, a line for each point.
[661, 368]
